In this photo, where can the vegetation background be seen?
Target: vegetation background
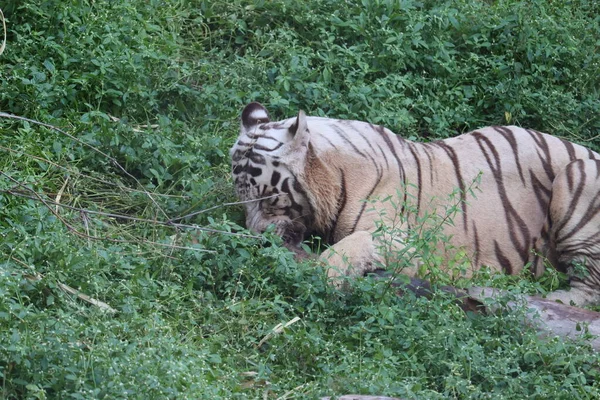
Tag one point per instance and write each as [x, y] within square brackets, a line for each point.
[147, 96]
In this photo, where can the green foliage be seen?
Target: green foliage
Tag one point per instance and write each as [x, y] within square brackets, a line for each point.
[147, 95]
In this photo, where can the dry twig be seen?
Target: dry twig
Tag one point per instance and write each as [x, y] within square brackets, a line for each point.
[111, 159]
[72, 229]
[85, 176]
[277, 330]
[225, 205]
[120, 216]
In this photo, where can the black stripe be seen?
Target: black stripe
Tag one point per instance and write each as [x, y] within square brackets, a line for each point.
[361, 134]
[459, 178]
[387, 164]
[574, 199]
[425, 147]
[299, 189]
[591, 210]
[546, 158]
[341, 203]
[295, 206]
[542, 193]
[264, 148]
[477, 244]
[275, 178]
[514, 220]
[254, 136]
[504, 262]
[510, 138]
[411, 147]
[256, 158]
[342, 134]
[570, 149]
[253, 171]
[364, 205]
[272, 125]
[329, 141]
[381, 130]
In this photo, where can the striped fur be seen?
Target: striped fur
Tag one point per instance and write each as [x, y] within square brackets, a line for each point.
[523, 196]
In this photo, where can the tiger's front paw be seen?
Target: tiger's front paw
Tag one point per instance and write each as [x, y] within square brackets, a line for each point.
[355, 255]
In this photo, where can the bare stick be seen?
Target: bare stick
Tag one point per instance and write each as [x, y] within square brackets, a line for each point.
[87, 298]
[235, 203]
[77, 173]
[126, 217]
[72, 229]
[115, 162]
[60, 193]
[277, 330]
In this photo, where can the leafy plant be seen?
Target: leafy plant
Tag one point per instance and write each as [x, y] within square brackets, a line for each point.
[121, 193]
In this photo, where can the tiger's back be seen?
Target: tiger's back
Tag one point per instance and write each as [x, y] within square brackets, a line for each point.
[320, 171]
[504, 176]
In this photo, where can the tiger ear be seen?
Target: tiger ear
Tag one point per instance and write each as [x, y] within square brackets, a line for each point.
[254, 114]
[299, 130]
[300, 124]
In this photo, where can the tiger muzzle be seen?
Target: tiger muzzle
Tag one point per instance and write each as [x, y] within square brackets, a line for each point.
[291, 231]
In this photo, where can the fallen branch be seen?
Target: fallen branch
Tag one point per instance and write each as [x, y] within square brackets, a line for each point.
[86, 176]
[422, 288]
[235, 203]
[75, 231]
[85, 297]
[277, 330]
[48, 203]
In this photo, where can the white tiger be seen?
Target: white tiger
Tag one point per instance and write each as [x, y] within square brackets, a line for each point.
[537, 197]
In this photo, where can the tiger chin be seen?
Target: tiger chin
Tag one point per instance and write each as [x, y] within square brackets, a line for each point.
[524, 198]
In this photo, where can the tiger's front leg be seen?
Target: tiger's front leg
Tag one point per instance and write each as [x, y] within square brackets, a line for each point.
[357, 255]
[354, 255]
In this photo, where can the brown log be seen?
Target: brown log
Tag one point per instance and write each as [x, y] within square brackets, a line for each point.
[422, 288]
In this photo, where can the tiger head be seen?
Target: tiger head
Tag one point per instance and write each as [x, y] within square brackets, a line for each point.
[268, 159]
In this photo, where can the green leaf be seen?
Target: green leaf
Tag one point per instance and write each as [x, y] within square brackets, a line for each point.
[49, 66]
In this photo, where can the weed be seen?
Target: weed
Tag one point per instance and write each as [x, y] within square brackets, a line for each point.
[149, 93]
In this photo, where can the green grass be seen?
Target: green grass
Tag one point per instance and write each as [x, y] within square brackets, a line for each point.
[155, 88]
